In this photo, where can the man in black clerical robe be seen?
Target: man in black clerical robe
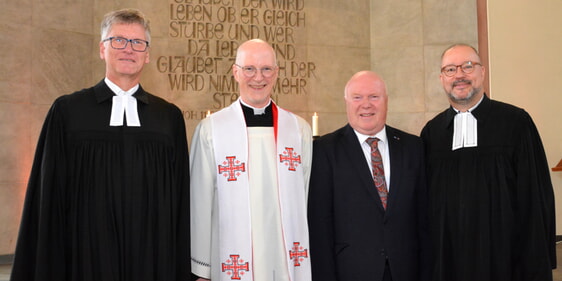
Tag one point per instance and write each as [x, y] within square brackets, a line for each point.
[108, 196]
[491, 197]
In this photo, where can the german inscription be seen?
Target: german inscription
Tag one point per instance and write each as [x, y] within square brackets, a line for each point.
[210, 32]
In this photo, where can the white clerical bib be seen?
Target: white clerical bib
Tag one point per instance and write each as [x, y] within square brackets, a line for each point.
[465, 132]
[123, 104]
[231, 154]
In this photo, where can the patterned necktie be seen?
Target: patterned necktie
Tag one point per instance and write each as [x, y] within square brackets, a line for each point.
[378, 170]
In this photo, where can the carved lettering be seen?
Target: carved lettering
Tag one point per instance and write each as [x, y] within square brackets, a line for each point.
[211, 31]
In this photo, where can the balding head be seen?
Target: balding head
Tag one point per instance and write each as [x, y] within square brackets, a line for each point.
[366, 102]
[255, 71]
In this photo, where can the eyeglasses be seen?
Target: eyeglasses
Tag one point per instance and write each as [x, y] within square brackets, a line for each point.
[466, 67]
[120, 43]
[250, 71]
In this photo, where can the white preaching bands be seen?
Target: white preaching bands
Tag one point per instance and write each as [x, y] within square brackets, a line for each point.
[466, 129]
[124, 104]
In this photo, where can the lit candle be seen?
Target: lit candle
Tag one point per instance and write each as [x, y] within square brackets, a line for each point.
[315, 124]
[208, 113]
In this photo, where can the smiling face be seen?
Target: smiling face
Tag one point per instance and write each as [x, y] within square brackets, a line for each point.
[125, 63]
[256, 90]
[464, 90]
[366, 102]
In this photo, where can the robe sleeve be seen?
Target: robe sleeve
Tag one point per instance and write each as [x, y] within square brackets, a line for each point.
[425, 257]
[183, 266]
[536, 239]
[203, 182]
[40, 253]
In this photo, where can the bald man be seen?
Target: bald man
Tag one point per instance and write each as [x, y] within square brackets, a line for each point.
[367, 203]
[491, 197]
[250, 171]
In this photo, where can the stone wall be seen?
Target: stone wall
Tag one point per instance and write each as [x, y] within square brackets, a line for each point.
[50, 48]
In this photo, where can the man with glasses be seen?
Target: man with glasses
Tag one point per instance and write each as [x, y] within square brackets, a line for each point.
[491, 198]
[108, 195]
[250, 165]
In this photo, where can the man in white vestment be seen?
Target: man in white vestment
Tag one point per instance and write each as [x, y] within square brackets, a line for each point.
[250, 167]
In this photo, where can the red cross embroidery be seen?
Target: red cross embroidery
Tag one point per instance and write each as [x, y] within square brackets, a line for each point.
[231, 170]
[296, 255]
[291, 157]
[233, 265]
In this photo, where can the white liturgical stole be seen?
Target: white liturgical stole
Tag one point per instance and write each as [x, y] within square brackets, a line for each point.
[230, 143]
[124, 104]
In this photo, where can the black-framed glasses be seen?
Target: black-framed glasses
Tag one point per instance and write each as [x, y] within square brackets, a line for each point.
[120, 43]
[467, 68]
[250, 71]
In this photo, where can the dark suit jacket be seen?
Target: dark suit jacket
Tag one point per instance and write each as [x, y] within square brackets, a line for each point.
[351, 235]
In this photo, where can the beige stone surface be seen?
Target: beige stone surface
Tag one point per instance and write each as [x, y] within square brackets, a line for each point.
[13, 194]
[14, 142]
[16, 157]
[327, 91]
[338, 23]
[73, 16]
[396, 24]
[401, 68]
[61, 63]
[410, 122]
[16, 12]
[447, 22]
[435, 97]
[51, 48]
[330, 121]
[15, 77]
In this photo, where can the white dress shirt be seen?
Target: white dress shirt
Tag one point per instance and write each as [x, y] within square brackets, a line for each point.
[383, 149]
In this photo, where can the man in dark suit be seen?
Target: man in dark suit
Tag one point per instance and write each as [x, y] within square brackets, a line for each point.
[367, 219]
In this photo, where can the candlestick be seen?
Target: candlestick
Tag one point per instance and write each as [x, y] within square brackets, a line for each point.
[208, 113]
[315, 124]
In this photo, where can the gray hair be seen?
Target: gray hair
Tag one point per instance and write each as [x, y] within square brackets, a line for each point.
[127, 16]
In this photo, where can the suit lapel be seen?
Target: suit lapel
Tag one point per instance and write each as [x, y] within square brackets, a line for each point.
[395, 155]
[353, 150]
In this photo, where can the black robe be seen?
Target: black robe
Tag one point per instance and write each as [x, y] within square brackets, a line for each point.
[491, 206]
[107, 203]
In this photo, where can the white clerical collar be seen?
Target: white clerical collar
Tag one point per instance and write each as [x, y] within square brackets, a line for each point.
[381, 135]
[465, 132]
[124, 104]
[257, 111]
